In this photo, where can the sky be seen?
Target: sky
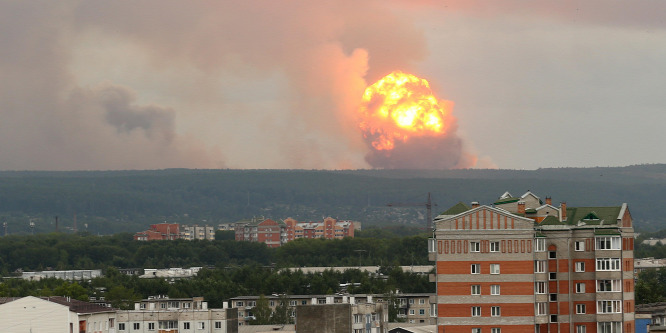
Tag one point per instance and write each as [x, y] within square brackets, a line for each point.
[154, 84]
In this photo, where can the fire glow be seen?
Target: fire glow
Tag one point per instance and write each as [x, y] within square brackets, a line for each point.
[399, 107]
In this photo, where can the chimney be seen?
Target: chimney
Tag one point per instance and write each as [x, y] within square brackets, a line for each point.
[563, 211]
[475, 204]
[549, 201]
[521, 207]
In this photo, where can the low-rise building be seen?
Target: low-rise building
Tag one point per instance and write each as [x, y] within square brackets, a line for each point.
[197, 232]
[160, 231]
[77, 274]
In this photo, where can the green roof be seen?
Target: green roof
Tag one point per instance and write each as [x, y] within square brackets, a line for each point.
[530, 211]
[551, 220]
[506, 201]
[586, 214]
[456, 209]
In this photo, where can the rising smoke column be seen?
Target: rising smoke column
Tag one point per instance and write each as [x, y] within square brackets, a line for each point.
[406, 127]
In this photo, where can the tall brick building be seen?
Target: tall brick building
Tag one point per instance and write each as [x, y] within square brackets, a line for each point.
[524, 265]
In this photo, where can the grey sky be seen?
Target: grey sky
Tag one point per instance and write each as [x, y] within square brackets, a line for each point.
[267, 84]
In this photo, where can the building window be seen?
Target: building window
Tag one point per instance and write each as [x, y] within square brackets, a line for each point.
[609, 307]
[121, 326]
[421, 301]
[239, 303]
[552, 255]
[186, 325]
[609, 285]
[476, 311]
[494, 246]
[552, 276]
[136, 326]
[474, 246]
[476, 330]
[539, 266]
[579, 246]
[494, 268]
[608, 264]
[581, 329]
[553, 297]
[553, 318]
[411, 301]
[292, 303]
[358, 318]
[151, 326]
[202, 325]
[540, 308]
[609, 327]
[218, 324]
[580, 266]
[411, 311]
[495, 289]
[608, 243]
[495, 330]
[476, 268]
[580, 308]
[540, 245]
[476, 289]
[580, 288]
[540, 287]
[421, 312]
[495, 311]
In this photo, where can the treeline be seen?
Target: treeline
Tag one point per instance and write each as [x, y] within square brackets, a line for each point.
[117, 201]
[218, 285]
[57, 251]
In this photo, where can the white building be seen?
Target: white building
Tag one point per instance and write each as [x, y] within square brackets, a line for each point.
[55, 314]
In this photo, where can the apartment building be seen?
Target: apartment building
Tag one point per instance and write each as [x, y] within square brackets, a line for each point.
[524, 265]
[176, 315]
[329, 229]
[343, 317]
[54, 314]
[160, 231]
[197, 232]
[412, 307]
[266, 231]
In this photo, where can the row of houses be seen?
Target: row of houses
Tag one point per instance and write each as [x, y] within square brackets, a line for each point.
[276, 233]
[171, 231]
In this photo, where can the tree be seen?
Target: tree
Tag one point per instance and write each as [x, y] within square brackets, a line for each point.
[261, 312]
[282, 313]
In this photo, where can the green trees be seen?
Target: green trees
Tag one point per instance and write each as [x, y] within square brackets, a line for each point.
[651, 286]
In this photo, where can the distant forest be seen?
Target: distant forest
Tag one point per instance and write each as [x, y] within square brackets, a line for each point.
[107, 202]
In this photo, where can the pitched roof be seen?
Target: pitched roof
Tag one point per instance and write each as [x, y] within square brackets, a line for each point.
[456, 209]
[605, 215]
[551, 220]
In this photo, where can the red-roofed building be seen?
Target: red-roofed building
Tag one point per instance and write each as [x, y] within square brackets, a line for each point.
[161, 231]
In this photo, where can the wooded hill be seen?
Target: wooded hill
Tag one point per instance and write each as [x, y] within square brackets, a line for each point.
[105, 202]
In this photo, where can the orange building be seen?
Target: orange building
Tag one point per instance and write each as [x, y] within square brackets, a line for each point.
[275, 233]
[161, 231]
[522, 265]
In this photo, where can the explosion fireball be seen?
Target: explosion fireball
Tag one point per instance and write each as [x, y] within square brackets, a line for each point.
[406, 126]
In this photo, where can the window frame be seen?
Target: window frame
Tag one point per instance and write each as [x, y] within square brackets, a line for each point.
[579, 266]
[494, 246]
[474, 246]
[495, 269]
[495, 289]
[579, 246]
[495, 311]
[475, 269]
[475, 289]
[476, 311]
[580, 308]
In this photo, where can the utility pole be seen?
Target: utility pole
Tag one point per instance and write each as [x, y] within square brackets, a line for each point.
[428, 204]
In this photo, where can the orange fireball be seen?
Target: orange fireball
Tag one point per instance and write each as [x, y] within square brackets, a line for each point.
[400, 106]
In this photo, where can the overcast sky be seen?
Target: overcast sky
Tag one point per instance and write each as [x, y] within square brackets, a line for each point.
[104, 85]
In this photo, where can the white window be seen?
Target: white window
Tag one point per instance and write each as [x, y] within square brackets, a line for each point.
[580, 308]
[474, 246]
[411, 311]
[609, 285]
[476, 330]
[358, 318]
[494, 268]
[218, 324]
[411, 301]
[136, 326]
[540, 287]
[579, 246]
[580, 329]
[494, 246]
[432, 245]
[540, 308]
[539, 266]
[151, 326]
[476, 311]
[421, 301]
[240, 303]
[608, 264]
[186, 325]
[608, 243]
[476, 289]
[495, 311]
[292, 303]
[609, 327]
[540, 245]
[609, 307]
[580, 288]
[552, 276]
[202, 325]
[121, 326]
[421, 312]
[495, 289]
[580, 266]
[476, 268]
[495, 330]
